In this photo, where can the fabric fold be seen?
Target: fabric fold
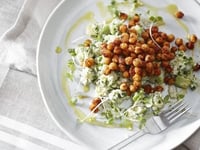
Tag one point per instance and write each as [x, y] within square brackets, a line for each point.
[19, 44]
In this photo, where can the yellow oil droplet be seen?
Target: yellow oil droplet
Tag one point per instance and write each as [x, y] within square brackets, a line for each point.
[172, 9]
[88, 16]
[58, 50]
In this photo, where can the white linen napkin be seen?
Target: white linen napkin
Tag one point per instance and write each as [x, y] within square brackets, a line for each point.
[24, 121]
[18, 45]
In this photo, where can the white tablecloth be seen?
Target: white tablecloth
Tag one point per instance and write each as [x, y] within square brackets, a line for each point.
[24, 121]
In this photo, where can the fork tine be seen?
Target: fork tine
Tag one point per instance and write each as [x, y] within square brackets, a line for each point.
[181, 111]
[174, 108]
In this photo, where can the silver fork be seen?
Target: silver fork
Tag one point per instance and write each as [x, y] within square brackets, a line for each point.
[156, 124]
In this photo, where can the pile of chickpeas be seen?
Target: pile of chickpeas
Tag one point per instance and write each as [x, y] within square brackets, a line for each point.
[138, 56]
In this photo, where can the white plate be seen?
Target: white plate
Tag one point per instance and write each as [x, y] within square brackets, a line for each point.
[50, 66]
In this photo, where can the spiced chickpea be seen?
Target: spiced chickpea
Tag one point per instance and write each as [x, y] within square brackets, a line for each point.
[145, 35]
[117, 50]
[163, 35]
[106, 53]
[117, 41]
[123, 46]
[115, 58]
[145, 47]
[138, 70]
[110, 46]
[170, 37]
[123, 28]
[107, 60]
[126, 74]
[131, 48]
[121, 60]
[122, 67]
[87, 43]
[179, 41]
[124, 86]
[158, 88]
[149, 58]
[94, 105]
[132, 40]
[190, 45]
[138, 50]
[136, 18]
[128, 60]
[136, 77]
[107, 70]
[113, 66]
[182, 47]
[137, 62]
[149, 67]
[179, 14]
[133, 88]
[137, 84]
[89, 62]
[154, 29]
[123, 16]
[125, 37]
[193, 38]
[131, 23]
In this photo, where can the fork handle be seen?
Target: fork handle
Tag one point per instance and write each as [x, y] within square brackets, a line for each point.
[128, 140]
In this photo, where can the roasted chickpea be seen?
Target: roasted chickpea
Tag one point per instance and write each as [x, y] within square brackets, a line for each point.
[137, 77]
[148, 88]
[122, 68]
[131, 23]
[106, 53]
[123, 28]
[124, 86]
[115, 58]
[189, 45]
[170, 37]
[179, 41]
[89, 62]
[182, 47]
[132, 40]
[154, 29]
[179, 14]
[123, 46]
[107, 71]
[137, 84]
[136, 18]
[124, 37]
[87, 43]
[149, 58]
[138, 70]
[145, 35]
[131, 48]
[126, 74]
[113, 66]
[123, 16]
[193, 38]
[158, 88]
[110, 46]
[133, 88]
[138, 50]
[117, 50]
[128, 60]
[137, 62]
[107, 60]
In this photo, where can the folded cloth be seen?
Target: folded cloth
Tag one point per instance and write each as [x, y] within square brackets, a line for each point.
[18, 45]
[24, 121]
